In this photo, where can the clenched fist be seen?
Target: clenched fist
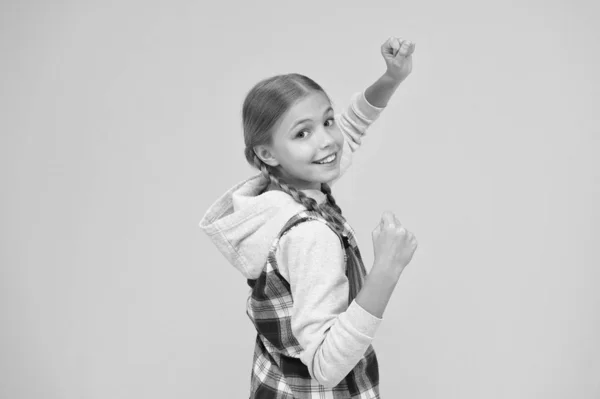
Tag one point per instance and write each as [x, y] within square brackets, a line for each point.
[397, 53]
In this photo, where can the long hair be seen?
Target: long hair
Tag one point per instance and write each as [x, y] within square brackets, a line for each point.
[264, 105]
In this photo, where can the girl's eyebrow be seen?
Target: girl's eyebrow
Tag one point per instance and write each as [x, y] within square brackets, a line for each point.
[308, 119]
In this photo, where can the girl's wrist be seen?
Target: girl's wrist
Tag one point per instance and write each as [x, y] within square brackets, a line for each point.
[392, 79]
[386, 273]
[380, 92]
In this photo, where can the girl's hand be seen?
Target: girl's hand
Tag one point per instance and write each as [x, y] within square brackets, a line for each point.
[397, 54]
[393, 245]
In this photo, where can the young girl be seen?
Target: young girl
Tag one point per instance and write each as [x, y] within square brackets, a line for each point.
[314, 308]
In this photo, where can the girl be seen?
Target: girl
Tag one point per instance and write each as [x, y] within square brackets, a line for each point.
[314, 308]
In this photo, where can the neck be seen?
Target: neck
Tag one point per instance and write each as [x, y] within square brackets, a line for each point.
[273, 186]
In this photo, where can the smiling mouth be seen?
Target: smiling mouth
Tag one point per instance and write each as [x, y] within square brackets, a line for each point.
[335, 155]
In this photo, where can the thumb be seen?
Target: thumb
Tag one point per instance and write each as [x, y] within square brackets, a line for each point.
[390, 47]
[376, 231]
[395, 45]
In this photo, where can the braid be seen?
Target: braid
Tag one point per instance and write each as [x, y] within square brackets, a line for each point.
[327, 190]
[327, 212]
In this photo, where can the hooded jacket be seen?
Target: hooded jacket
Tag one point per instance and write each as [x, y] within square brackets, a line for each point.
[243, 223]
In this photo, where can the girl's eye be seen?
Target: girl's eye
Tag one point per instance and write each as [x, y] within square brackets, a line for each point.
[331, 121]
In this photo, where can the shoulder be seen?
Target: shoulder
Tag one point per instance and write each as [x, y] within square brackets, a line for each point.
[310, 247]
[313, 233]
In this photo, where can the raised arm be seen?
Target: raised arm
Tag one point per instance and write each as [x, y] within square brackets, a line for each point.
[354, 122]
[366, 106]
[397, 54]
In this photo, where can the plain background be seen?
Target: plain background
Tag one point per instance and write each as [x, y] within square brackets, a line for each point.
[121, 124]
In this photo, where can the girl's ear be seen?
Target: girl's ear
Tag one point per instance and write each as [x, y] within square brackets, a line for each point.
[265, 155]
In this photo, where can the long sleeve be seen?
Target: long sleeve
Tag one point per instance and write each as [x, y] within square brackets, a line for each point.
[333, 335]
[354, 122]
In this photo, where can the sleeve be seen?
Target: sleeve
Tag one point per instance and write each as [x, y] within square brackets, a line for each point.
[333, 335]
[353, 123]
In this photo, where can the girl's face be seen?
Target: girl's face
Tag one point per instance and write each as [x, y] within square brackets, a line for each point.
[305, 134]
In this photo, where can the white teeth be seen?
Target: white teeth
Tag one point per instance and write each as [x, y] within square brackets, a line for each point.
[328, 159]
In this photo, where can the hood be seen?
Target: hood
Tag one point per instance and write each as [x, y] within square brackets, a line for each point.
[243, 222]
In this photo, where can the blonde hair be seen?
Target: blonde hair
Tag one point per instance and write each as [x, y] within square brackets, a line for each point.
[263, 106]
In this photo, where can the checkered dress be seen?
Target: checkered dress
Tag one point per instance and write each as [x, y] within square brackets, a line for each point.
[278, 372]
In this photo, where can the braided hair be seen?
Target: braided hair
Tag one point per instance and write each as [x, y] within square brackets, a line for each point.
[264, 105]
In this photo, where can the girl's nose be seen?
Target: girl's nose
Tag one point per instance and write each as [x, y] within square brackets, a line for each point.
[327, 139]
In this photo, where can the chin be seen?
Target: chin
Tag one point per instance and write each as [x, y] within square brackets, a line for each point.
[327, 177]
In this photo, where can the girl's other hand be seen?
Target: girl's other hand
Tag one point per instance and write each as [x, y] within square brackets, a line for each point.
[393, 245]
[397, 53]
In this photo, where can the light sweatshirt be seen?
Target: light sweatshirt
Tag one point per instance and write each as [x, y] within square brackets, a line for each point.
[243, 223]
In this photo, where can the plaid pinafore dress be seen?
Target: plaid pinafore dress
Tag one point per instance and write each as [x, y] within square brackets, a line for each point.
[278, 372]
